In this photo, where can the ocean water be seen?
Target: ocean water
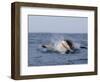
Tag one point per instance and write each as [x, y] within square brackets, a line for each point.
[37, 57]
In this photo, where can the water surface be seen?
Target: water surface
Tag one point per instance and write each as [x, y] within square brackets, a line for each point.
[36, 57]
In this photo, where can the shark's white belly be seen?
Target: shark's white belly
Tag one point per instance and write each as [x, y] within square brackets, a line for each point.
[61, 47]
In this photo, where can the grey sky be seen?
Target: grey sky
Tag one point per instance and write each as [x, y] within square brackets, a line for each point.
[58, 24]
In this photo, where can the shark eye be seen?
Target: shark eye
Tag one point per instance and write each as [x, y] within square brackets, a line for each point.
[43, 46]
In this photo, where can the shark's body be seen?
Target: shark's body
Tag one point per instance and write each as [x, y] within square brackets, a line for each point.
[62, 47]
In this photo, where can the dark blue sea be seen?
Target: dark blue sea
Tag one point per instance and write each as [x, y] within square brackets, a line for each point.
[37, 57]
